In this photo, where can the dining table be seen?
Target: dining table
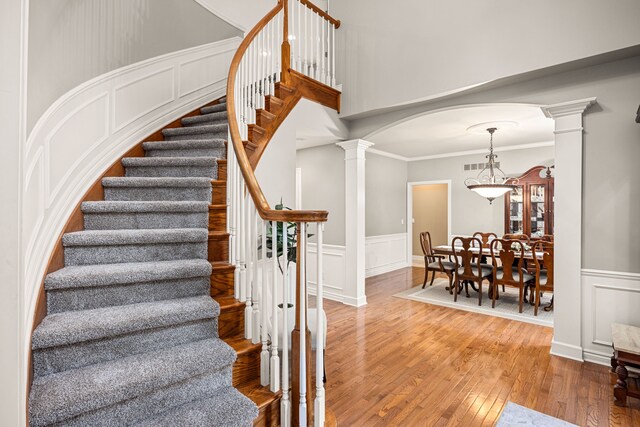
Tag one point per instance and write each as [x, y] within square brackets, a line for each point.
[447, 250]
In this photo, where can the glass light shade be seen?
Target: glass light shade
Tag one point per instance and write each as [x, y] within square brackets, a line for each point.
[491, 191]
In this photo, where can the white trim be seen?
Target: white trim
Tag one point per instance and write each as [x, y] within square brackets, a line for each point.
[417, 261]
[568, 108]
[410, 186]
[379, 152]
[596, 357]
[381, 254]
[216, 11]
[389, 155]
[587, 272]
[567, 351]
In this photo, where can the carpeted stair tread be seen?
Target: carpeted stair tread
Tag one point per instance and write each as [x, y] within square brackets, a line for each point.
[84, 325]
[125, 273]
[57, 397]
[179, 182]
[214, 108]
[219, 116]
[228, 407]
[152, 206]
[194, 130]
[185, 144]
[168, 161]
[134, 237]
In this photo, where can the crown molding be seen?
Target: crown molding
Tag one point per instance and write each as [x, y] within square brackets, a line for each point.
[568, 108]
[462, 153]
[355, 144]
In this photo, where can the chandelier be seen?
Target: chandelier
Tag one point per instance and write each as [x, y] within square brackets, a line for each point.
[491, 182]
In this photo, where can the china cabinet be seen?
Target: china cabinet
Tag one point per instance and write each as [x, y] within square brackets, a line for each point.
[529, 207]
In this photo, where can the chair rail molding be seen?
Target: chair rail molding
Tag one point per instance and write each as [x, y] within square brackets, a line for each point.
[354, 163]
[607, 297]
[568, 135]
[88, 128]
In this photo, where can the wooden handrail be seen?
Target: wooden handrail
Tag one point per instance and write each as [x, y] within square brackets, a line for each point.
[325, 15]
[259, 200]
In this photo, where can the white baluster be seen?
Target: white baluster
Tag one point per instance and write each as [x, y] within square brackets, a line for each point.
[285, 403]
[255, 287]
[306, 41]
[300, 36]
[319, 404]
[275, 358]
[302, 408]
[333, 55]
[248, 310]
[264, 355]
[323, 72]
[236, 216]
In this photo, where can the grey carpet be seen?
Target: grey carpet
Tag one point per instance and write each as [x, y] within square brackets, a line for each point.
[130, 336]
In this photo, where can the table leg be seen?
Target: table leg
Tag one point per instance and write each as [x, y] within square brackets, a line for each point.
[550, 306]
[620, 389]
[614, 364]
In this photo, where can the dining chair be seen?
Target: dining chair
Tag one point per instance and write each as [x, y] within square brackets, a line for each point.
[468, 267]
[511, 272]
[544, 272]
[486, 239]
[547, 238]
[433, 262]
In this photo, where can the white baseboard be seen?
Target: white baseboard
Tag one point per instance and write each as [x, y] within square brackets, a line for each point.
[385, 253]
[417, 261]
[567, 351]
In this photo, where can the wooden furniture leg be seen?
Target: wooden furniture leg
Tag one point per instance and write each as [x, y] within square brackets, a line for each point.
[426, 276]
[614, 364]
[620, 389]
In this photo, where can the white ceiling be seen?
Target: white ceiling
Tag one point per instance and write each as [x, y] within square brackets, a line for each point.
[446, 132]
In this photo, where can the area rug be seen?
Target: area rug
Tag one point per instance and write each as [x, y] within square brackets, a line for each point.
[506, 306]
[516, 415]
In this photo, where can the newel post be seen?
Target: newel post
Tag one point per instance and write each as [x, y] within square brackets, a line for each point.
[297, 335]
[286, 47]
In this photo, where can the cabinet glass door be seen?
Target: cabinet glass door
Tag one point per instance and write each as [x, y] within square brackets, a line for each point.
[538, 208]
[516, 210]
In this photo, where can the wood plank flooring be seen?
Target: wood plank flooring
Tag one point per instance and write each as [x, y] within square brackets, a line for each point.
[405, 363]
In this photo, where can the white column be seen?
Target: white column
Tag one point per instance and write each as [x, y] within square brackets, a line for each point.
[354, 292]
[568, 132]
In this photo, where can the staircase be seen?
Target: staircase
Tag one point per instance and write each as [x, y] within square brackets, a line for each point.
[131, 334]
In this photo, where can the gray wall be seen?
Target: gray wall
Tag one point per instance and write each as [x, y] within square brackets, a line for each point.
[611, 176]
[72, 41]
[323, 187]
[385, 195]
[391, 53]
[470, 212]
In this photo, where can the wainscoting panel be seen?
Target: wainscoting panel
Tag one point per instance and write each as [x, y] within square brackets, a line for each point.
[385, 253]
[607, 297]
[334, 272]
[88, 128]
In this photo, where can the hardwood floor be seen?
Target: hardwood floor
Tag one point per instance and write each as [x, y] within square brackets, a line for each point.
[400, 362]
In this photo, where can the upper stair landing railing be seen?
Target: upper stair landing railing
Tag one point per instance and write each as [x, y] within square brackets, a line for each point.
[288, 55]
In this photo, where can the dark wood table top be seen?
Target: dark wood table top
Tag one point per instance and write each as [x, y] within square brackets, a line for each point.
[447, 250]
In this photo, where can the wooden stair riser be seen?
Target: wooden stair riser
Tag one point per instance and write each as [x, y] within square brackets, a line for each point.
[264, 118]
[247, 366]
[283, 91]
[231, 322]
[218, 192]
[218, 247]
[218, 217]
[222, 169]
[222, 283]
[269, 415]
[256, 135]
[273, 104]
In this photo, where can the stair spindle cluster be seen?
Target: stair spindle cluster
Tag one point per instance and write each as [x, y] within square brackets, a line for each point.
[296, 36]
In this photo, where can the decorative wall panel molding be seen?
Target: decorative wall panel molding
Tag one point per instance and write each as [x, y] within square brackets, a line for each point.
[385, 253]
[90, 127]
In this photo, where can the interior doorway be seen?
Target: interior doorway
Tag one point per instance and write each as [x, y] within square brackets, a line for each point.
[428, 209]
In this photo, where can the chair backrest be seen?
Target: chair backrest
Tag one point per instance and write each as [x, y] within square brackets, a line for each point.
[521, 237]
[507, 251]
[464, 256]
[543, 258]
[485, 238]
[425, 244]
[547, 238]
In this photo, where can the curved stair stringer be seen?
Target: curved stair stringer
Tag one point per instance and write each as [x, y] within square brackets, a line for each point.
[278, 107]
[245, 371]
